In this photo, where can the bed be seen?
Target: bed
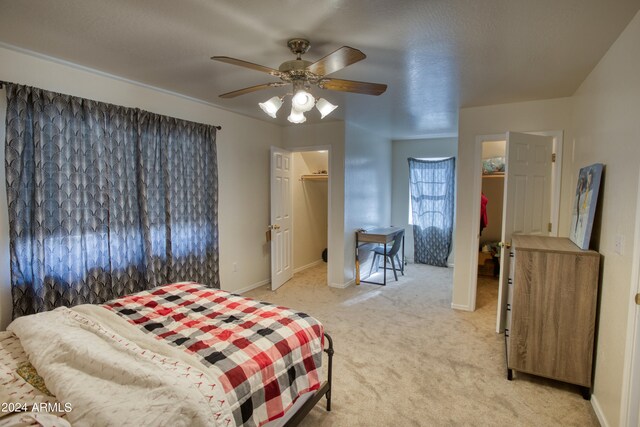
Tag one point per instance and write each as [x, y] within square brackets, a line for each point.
[179, 354]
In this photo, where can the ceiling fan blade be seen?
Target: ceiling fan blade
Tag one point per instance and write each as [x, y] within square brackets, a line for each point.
[336, 60]
[353, 86]
[251, 89]
[251, 65]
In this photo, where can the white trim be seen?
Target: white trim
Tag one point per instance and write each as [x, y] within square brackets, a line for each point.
[428, 136]
[342, 285]
[326, 148]
[450, 265]
[461, 307]
[475, 220]
[311, 264]
[107, 75]
[631, 367]
[598, 410]
[251, 287]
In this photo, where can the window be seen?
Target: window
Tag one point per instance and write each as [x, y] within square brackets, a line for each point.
[432, 195]
[428, 159]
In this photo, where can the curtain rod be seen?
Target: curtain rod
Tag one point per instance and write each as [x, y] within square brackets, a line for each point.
[2, 84]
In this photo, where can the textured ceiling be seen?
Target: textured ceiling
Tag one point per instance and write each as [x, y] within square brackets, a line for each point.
[436, 56]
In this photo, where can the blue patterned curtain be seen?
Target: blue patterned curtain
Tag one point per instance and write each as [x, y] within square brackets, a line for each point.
[432, 200]
[105, 200]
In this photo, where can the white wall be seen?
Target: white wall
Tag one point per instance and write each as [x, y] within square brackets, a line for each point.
[493, 149]
[243, 161]
[310, 215]
[606, 124]
[401, 150]
[367, 187]
[546, 115]
[320, 136]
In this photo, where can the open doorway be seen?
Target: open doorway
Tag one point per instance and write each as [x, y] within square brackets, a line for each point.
[532, 179]
[491, 213]
[310, 197]
[299, 235]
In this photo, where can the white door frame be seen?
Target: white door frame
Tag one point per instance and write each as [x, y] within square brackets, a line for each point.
[631, 375]
[474, 238]
[330, 238]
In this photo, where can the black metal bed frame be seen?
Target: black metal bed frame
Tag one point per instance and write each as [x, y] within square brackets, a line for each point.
[324, 390]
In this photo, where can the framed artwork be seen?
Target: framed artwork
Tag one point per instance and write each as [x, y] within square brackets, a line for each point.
[584, 206]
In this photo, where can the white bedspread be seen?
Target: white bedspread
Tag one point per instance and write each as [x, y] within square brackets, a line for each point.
[88, 359]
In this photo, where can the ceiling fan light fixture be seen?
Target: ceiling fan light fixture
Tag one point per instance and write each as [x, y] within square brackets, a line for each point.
[303, 101]
[296, 116]
[302, 75]
[271, 106]
[325, 107]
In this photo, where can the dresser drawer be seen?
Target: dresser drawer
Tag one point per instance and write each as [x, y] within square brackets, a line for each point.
[551, 300]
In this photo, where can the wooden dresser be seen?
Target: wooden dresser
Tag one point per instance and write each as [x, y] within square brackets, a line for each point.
[551, 311]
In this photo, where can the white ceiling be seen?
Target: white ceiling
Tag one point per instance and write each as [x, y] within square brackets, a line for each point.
[435, 55]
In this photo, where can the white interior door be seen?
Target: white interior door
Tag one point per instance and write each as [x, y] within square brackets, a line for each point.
[281, 208]
[631, 374]
[527, 200]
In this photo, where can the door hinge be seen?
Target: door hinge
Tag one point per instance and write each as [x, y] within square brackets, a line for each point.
[549, 228]
[553, 157]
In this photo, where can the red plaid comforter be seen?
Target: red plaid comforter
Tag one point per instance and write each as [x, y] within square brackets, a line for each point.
[267, 355]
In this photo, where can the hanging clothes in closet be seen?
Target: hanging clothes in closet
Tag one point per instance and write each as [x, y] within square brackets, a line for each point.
[483, 212]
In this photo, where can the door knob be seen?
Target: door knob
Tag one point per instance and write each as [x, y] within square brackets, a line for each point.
[274, 227]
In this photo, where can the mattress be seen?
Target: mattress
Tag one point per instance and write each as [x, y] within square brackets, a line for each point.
[16, 389]
[180, 354]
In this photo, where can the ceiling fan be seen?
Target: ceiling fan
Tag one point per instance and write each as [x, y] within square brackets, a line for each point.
[302, 75]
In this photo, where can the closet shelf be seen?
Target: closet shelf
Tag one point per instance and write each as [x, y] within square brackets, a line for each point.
[494, 175]
[315, 177]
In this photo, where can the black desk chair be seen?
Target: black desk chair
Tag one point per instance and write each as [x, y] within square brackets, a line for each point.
[391, 255]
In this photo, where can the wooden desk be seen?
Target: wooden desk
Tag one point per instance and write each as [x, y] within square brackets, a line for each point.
[382, 235]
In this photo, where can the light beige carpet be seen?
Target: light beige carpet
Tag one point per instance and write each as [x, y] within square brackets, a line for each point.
[405, 358]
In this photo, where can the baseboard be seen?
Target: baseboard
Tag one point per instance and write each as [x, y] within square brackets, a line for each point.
[304, 267]
[252, 287]
[460, 307]
[598, 410]
[342, 285]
